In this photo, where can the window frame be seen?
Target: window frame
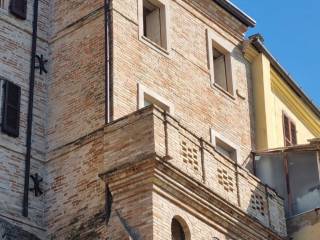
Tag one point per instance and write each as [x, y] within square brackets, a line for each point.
[144, 92]
[215, 135]
[4, 5]
[15, 133]
[164, 26]
[215, 40]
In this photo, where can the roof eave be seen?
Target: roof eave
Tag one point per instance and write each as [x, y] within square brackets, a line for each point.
[259, 46]
[236, 12]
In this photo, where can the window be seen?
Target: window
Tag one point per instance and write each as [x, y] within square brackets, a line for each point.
[11, 109]
[219, 58]
[225, 149]
[153, 15]
[3, 4]
[152, 22]
[224, 146]
[289, 131]
[177, 230]
[147, 97]
[220, 70]
[19, 8]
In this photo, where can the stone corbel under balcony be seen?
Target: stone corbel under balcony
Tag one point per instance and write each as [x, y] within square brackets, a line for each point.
[150, 152]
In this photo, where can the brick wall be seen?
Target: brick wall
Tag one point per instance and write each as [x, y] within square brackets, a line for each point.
[178, 189]
[182, 77]
[70, 146]
[76, 84]
[75, 194]
[15, 48]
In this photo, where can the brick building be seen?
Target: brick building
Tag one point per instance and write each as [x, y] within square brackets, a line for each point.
[85, 74]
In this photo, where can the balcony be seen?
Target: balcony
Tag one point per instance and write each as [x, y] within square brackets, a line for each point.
[151, 133]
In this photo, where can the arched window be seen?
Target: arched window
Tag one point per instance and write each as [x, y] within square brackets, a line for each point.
[177, 230]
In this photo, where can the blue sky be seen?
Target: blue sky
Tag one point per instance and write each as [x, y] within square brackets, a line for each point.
[292, 33]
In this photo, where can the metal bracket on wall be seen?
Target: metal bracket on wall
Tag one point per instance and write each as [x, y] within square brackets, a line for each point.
[41, 64]
[36, 185]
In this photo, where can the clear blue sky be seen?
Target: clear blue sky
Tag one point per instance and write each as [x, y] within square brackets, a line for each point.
[291, 29]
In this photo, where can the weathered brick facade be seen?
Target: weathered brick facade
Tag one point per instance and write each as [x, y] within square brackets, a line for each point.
[157, 166]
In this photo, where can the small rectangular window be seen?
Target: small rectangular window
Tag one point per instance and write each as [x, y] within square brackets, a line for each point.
[224, 146]
[11, 109]
[220, 70]
[226, 149]
[147, 97]
[149, 100]
[220, 62]
[19, 8]
[154, 22]
[289, 131]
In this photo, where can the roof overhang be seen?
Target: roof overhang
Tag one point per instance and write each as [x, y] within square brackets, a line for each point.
[257, 43]
[236, 12]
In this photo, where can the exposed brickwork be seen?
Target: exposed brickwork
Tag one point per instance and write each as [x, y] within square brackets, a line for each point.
[75, 193]
[138, 154]
[11, 232]
[183, 77]
[15, 48]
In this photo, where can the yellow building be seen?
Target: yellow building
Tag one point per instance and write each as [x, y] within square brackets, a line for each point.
[284, 115]
[287, 132]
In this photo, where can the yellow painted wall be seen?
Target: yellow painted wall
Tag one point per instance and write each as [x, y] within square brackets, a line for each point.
[284, 99]
[259, 89]
[272, 97]
[303, 133]
[308, 232]
[305, 226]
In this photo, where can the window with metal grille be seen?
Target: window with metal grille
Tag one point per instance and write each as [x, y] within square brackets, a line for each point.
[289, 131]
[11, 109]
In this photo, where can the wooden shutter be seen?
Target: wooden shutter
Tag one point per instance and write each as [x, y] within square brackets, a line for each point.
[286, 130]
[289, 131]
[293, 133]
[19, 8]
[11, 109]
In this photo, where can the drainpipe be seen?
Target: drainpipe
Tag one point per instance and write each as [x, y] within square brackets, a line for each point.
[108, 62]
[30, 108]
